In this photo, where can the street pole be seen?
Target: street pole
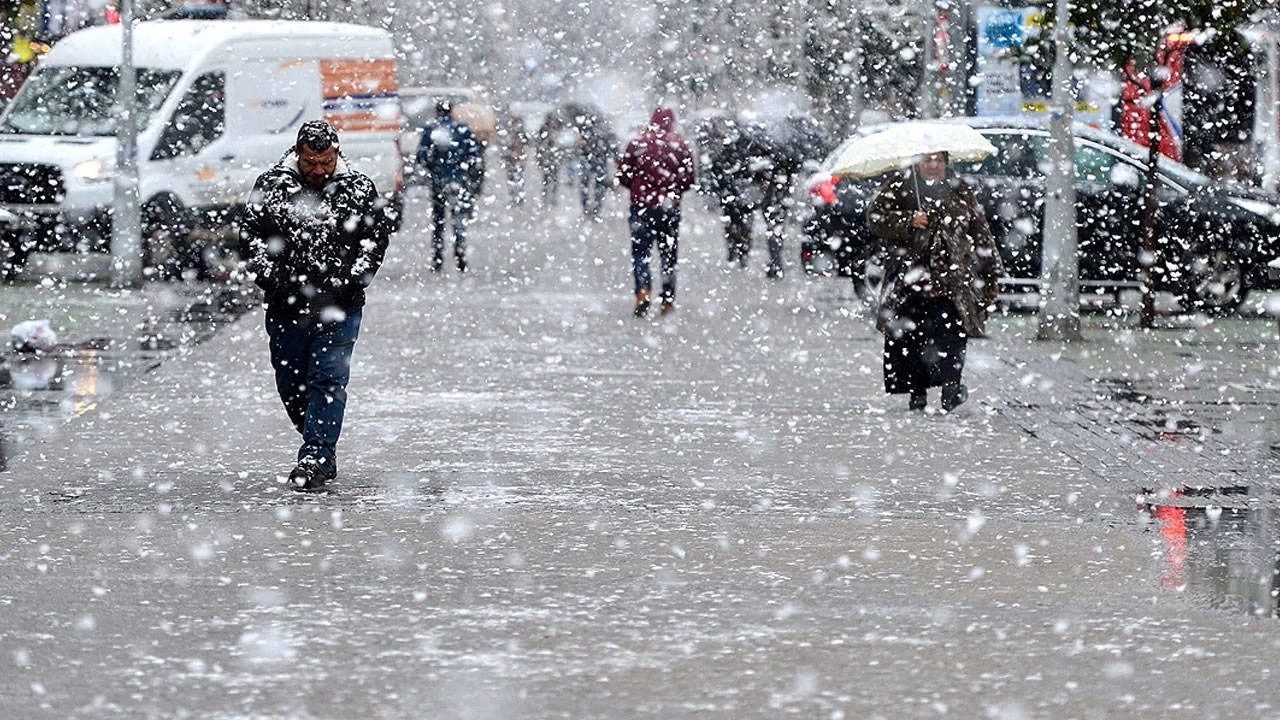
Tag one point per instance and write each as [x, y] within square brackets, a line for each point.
[1059, 261]
[1267, 114]
[1150, 255]
[126, 233]
[1265, 133]
[857, 99]
[929, 67]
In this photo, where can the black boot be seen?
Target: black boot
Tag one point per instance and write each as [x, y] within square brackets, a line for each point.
[919, 398]
[953, 396]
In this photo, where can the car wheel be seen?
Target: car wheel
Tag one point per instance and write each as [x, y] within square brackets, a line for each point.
[14, 249]
[820, 262]
[1215, 283]
[872, 278]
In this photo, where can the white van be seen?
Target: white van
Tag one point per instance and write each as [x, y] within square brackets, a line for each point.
[219, 102]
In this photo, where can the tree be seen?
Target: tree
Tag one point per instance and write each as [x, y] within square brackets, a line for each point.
[1130, 37]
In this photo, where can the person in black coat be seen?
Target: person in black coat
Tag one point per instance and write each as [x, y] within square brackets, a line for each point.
[317, 232]
[748, 172]
[454, 161]
[941, 279]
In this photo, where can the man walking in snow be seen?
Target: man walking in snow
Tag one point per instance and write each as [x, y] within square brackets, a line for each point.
[451, 154]
[317, 232]
[658, 169]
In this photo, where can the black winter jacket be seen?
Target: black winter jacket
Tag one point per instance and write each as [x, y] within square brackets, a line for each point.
[312, 249]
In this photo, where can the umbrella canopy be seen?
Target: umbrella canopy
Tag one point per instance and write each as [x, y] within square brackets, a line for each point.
[480, 118]
[901, 146]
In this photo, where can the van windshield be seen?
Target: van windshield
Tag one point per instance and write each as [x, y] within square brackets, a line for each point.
[71, 100]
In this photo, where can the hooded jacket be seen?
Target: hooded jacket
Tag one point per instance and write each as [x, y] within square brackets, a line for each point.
[657, 166]
[311, 249]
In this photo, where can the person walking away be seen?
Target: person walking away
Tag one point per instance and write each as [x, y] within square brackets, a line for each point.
[450, 153]
[548, 155]
[316, 231]
[940, 279]
[597, 145]
[727, 180]
[515, 143]
[658, 169]
[776, 172]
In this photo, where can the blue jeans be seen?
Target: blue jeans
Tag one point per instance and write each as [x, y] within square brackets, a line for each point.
[651, 225]
[312, 361]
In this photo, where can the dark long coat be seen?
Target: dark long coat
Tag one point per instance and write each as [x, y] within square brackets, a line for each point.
[955, 257]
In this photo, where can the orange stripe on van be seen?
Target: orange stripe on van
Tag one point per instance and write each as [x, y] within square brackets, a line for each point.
[361, 122]
[340, 78]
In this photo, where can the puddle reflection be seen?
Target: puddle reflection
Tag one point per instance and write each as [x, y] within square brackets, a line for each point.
[1227, 555]
[38, 394]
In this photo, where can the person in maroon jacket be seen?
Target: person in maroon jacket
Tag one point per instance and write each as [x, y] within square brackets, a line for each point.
[657, 168]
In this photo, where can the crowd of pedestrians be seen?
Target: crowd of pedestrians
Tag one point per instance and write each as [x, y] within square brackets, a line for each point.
[317, 232]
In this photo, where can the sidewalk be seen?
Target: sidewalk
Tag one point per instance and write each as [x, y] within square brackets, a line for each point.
[550, 509]
[106, 336]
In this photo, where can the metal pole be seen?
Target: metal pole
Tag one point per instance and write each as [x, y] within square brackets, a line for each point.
[126, 240]
[857, 101]
[929, 67]
[1267, 116]
[1059, 262]
[1149, 260]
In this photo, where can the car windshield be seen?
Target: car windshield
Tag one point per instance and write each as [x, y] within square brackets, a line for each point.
[74, 100]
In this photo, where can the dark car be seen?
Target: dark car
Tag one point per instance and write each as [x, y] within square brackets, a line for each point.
[1215, 239]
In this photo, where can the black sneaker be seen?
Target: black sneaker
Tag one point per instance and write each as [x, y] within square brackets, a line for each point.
[953, 396]
[311, 475]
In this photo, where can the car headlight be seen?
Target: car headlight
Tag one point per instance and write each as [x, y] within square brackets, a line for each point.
[93, 170]
[1258, 207]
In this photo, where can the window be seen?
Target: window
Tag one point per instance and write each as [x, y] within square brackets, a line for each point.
[1094, 165]
[73, 100]
[1019, 155]
[199, 119]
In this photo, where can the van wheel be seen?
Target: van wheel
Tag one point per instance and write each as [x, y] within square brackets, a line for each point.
[1216, 282]
[166, 227]
[14, 249]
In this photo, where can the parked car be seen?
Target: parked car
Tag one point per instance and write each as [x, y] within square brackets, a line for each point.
[1215, 239]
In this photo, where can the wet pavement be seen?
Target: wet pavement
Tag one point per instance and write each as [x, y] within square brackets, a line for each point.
[106, 337]
[550, 509]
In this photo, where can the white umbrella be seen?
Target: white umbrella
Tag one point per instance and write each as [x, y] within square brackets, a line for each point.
[902, 145]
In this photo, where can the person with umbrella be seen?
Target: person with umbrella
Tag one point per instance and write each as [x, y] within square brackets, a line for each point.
[940, 279]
